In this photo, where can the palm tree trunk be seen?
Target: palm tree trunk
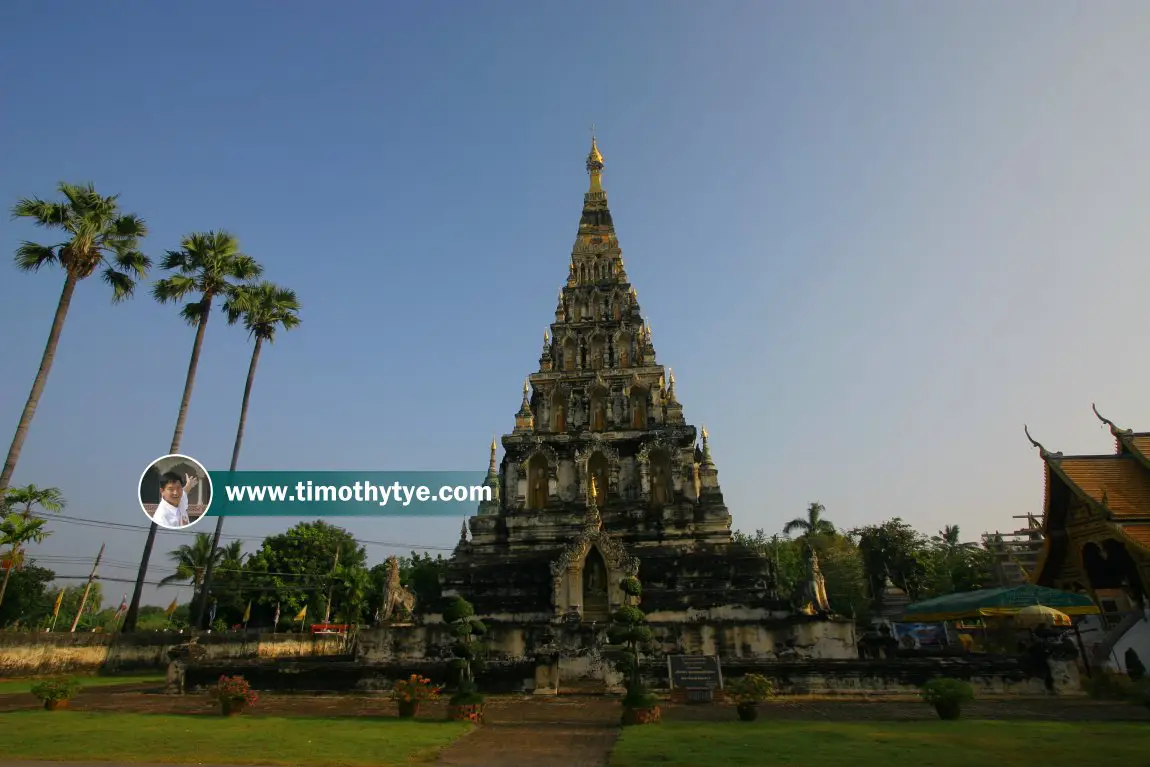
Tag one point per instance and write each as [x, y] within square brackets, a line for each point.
[235, 460]
[41, 381]
[129, 623]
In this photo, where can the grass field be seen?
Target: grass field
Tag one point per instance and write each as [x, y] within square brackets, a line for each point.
[310, 742]
[10, 686]
[882, 744]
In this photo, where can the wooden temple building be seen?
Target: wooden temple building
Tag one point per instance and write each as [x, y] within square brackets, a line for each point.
[1096, 525]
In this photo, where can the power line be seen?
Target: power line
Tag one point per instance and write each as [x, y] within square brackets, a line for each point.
[86, 522]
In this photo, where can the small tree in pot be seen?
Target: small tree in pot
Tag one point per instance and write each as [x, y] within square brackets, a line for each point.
[947, 696]
[55, 693]
[467, 702]
[749, 691]
[629, 629]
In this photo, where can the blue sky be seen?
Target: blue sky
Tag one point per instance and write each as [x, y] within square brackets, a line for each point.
[872, 239]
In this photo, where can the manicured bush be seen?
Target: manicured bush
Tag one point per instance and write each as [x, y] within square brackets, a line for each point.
[947, 696]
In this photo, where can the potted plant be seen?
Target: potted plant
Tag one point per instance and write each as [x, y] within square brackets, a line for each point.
[409, 693]
[749, 691]
[629, 629]
[947, 696]
[466, 704]
[234, 694]
[55, 693]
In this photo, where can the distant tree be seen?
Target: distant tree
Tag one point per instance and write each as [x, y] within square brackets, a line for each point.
[97, 236]
[21, 501]
[892, 549]
[952, 566]
[29, 598]
[16, 532]
[299, 568]
[813, 524]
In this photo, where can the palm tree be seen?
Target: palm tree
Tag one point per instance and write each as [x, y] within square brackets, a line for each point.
[192, 561]
[263, 309]
[98, 236]
[47, 498]
[813, 524]
[210, 265]
[18, 531]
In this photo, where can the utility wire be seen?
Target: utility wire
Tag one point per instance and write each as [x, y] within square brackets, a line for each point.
[86, 522]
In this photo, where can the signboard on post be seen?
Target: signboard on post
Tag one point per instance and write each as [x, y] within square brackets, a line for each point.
[695, 672]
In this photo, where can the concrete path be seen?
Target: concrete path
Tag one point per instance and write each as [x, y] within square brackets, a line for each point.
[552, 732]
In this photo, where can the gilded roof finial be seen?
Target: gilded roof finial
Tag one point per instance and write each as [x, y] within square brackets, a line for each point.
[526, 386]
[705, 435]
[494, 445]
[546, 337]
[595, 165]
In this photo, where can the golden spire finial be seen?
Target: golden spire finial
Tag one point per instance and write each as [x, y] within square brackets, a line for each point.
[671, 376]
[494, 446]
[546, 337]
[595, 165]
[526, 386]
[705, 434]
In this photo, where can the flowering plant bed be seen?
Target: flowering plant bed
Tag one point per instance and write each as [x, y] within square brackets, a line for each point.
[643, 715]
[410, 692]
[234, 694]
[472, 712]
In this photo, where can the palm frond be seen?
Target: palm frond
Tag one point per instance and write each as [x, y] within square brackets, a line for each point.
[129, 228]
[44, 212]
[132, 261]
[30, 256]
[194, 313]
[175, 260]
[174, 288]
[123, 286]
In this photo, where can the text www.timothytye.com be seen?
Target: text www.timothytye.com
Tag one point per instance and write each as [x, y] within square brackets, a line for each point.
[358, 492]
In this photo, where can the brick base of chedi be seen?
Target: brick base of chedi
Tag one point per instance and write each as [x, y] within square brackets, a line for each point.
[603, 478]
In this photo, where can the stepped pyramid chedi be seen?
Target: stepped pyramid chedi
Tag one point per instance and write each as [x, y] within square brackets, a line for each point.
[603, 477]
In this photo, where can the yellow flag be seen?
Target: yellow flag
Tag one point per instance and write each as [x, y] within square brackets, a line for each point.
[248, 612]
[171, 608]
[59, 601]
[301, 614]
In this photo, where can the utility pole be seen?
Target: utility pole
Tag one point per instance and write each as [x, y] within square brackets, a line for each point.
[331, 590]
[84, 599]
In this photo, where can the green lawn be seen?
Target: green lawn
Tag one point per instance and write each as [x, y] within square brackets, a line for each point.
[190, 739]
[882, 744]
[8, 687]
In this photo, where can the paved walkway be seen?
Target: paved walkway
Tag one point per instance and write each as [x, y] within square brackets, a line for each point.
[551, 732]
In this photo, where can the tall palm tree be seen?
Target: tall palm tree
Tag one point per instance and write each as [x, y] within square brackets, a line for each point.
[98, 236]
[812, 525]
[209, 265]
[263, 308]
[18, 503]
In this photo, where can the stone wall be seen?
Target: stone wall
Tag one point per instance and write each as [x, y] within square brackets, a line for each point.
[988, 675]
[58, 652]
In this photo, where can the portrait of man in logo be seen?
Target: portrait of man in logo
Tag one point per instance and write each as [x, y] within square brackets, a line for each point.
[175, 491]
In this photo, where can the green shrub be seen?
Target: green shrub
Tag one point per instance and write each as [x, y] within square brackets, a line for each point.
[631, 586]
[1108, 685]
[947, 691]
[56, 689]
[752, 688]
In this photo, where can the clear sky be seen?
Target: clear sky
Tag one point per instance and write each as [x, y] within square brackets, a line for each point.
[873, 239]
